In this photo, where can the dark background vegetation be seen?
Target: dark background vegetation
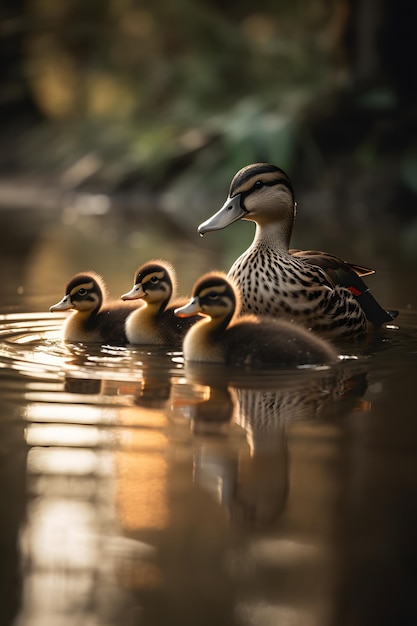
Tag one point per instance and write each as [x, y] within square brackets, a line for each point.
[148, 109]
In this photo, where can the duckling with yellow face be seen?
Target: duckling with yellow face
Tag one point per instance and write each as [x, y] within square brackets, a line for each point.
[316, 289]
[94, 320]
[223, 337]
[155, 323]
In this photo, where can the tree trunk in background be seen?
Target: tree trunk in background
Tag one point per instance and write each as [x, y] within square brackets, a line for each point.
[382, 45]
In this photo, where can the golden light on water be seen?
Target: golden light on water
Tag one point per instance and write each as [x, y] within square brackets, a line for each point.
[141, 471]
[141, 490]
[136, 455]
[85, 480]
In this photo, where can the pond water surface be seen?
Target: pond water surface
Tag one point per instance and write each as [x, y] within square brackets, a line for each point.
[137, 490]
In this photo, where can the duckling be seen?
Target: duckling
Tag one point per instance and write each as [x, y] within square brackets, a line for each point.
[155, 323]
[91, 321]
[223, 337]
[316, 289]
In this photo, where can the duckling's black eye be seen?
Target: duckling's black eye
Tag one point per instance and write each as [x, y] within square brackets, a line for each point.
[258, 184]
[213, 295]
[82, 291]
[154, 279]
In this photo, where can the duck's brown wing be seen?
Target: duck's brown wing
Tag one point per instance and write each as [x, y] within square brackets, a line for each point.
[326, 260]
[349, 275]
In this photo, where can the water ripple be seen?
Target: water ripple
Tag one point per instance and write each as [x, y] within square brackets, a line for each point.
[31, 345]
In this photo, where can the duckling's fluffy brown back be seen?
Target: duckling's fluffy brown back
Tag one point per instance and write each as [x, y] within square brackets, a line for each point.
[144, 327]
[105, 326]
[250, 341]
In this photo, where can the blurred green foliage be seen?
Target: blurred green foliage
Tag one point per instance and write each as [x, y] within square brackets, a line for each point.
[171, 98]
[147, 86]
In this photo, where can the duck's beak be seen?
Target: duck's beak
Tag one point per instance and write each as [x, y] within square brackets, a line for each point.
[191, 308]
[231, 211]
[63, 305]
[133, 294]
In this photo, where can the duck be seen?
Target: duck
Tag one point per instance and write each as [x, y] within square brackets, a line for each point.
[155, 322]
[224, 336]
[316, 289]
[94, 319]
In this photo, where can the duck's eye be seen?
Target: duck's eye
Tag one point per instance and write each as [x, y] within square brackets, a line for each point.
[258, 184]
[212, 295]
[82, 291]
[154, 279]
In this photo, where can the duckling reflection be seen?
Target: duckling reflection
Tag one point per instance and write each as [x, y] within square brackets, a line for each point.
[147, 384]
[247, 465]
[155, 386]
[83, 386]
[250, 483]
[209, 408]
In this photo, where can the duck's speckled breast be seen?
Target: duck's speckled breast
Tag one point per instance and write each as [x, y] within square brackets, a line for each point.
[278, 285]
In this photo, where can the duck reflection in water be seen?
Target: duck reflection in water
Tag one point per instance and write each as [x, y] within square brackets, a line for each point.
[245, 461]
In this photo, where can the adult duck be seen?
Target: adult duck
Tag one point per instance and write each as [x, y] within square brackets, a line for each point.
[316, 289]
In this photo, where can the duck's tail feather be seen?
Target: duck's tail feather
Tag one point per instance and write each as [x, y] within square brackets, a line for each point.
[373, 310]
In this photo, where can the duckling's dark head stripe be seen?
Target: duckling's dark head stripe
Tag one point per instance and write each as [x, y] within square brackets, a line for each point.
[87, 287]
[210, 281]
[222, 286]
[251, 173]
[82, 280]
[154, 270]
[163, 272]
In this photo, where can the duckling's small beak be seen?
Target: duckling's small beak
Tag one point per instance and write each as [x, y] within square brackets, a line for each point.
[133, 294]
[63, 305]
[191, 308]
[231, 211]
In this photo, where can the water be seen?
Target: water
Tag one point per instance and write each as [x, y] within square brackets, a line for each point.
[136, 490]
[141, 492]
